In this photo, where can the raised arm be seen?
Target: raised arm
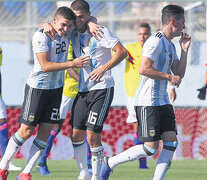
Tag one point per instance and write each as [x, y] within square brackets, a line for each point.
[178, 68]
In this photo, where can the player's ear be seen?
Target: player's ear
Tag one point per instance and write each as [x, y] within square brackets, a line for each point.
[173, 21]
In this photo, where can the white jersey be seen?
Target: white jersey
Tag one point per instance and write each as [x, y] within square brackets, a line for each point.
[58, 50]
[151, 92]
[100, 52]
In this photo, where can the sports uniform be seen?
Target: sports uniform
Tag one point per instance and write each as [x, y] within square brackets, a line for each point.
[94, 98]
[154, 111]
[43, 90]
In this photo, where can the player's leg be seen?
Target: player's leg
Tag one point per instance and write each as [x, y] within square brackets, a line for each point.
[88, 155]
[46, 114]
[100, 102]
[169, 141]
[65, 106]
[133, 120]
[78, 131]
[147, 118]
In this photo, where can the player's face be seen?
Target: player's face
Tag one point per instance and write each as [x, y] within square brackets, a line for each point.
[62, 25]
[142, 35]
[179, 26]
[81, 20]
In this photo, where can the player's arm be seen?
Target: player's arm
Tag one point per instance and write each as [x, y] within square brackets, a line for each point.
[48, 66]
[119, 55]
[178, 67]
[94, 28]
[73, 73]
[172, 94]
[147, 69]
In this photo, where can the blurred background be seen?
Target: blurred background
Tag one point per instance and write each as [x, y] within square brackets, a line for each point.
[19, 20]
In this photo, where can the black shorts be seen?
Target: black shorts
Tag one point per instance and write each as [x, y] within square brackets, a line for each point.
[153, 121]
[90, 109]
[40, 106]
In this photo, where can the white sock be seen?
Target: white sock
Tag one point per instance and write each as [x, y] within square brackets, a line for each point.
[14, 144]
[129, 155]
[80, 153]
[163, 164]
[34, 154]
[97, 157]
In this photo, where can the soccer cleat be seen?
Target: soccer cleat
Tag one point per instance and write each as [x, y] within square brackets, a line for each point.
[105, 169]
[3, 174]
[83, 178]
[24, 176]
[90, 169]
[43, 170]
[143, 163]
[12, 167]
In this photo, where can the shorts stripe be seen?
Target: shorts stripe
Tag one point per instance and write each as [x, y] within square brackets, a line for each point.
[27, 104]
[144, 121]
[104, 107]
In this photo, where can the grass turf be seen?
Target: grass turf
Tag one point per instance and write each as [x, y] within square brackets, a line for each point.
[67, 170]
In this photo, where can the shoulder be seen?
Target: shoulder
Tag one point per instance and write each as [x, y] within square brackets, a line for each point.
[40, 35]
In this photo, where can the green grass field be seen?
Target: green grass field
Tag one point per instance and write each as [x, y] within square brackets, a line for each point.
[67, 170]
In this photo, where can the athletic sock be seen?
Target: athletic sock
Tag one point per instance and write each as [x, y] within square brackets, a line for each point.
[164, 160]
[34, 154]
[130, 155]
[80, 153]
[88, 151]
[46, 152]
[4, 137]
[15, 142]
[97, 157]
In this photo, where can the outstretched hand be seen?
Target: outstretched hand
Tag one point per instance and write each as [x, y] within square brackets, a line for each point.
[95, 30]
[49, 30]
[81, 62]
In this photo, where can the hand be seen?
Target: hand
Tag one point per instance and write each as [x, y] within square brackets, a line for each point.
[95, 30]
[81, 62]
[49, 30]
[185, 41]
[175, 80]
[96, 74]
[172, 95]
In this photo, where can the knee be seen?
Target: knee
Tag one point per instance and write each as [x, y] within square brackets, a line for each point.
[25, 133]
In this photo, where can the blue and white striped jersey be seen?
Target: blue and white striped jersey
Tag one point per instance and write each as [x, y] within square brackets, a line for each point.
[151, 92]
[100, 52]
[57, 49]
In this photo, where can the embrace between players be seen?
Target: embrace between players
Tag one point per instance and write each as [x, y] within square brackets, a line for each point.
[43, 91]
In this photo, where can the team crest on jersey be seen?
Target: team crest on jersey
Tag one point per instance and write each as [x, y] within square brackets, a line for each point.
[152, 132]
[31, 117]
[39, 43]
[151, 49]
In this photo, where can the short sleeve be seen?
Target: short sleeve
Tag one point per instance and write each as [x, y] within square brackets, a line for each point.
[40, 42]
[109, 40]
[152, 48]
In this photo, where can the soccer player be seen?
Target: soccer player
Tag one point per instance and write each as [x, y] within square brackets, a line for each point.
[4, 134]
[43, 91]
[132, 77]
[156, 119]
[92, 103]
[70, 90]
[202, 90]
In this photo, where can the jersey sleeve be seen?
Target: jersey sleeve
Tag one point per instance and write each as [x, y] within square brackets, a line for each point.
[40, 42]
[174, 53]
[109, 40]
[152, 48]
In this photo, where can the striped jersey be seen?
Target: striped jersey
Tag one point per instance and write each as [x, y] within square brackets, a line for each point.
[57, 49]
[100, 52]
[151, 92]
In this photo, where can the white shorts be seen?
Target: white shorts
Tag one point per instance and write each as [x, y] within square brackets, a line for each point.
[65, 106]
[131, 112]
[2, 109]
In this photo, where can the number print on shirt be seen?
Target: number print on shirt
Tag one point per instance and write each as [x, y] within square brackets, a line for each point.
[55, 114]
[61, 47]
[92, 117]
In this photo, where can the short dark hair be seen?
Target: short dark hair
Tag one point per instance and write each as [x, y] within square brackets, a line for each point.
[170, 11]
[66, 13]
[80, 5]
[145, 25]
